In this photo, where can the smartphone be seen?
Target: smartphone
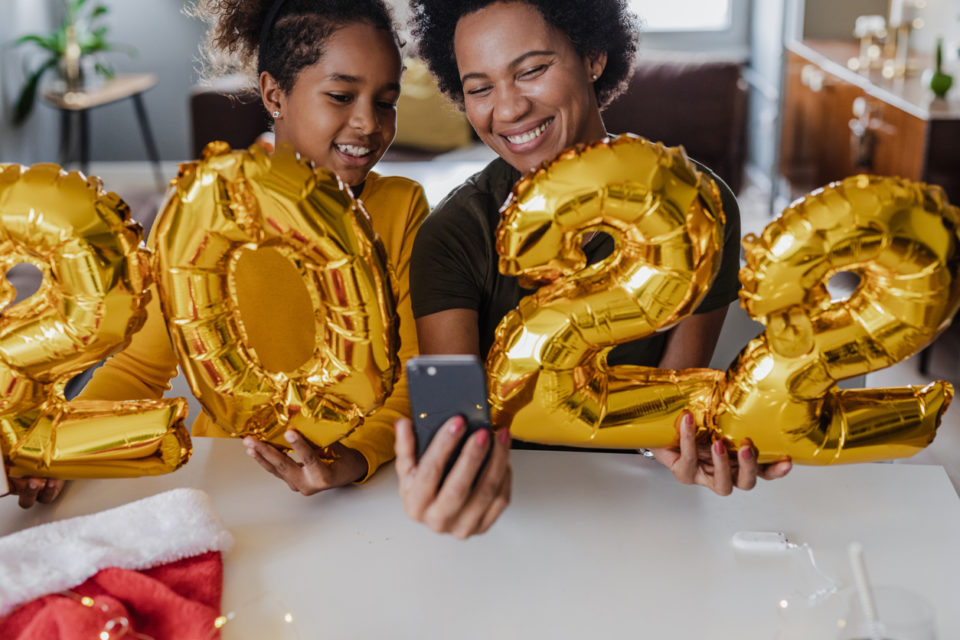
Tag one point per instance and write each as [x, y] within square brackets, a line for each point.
[444, 386]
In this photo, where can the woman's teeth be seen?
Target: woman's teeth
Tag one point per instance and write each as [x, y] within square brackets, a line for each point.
[529, 135]
[353, 150]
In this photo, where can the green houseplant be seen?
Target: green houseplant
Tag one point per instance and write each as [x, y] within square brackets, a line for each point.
[80, 34]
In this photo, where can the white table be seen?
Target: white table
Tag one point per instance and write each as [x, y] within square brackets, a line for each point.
[593, 545]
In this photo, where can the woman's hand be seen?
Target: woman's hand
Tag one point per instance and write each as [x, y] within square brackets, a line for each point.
[33, 490]
[319, 469]
[464, 505]
[709, 465]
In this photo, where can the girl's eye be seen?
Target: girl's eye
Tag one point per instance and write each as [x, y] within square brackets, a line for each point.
[387, 105]
[339, 97]
[478, 91]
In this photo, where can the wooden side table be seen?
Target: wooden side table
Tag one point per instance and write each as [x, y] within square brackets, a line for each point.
[74, 107]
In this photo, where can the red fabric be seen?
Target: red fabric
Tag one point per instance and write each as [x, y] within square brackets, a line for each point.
[175, 601]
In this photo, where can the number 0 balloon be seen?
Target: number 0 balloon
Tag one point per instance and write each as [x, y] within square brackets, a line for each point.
[233, 203]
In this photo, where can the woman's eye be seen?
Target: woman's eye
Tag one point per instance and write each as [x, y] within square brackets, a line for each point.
[533, 73]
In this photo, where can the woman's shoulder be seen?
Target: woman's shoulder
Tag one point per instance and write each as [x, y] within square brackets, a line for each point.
[478, 198]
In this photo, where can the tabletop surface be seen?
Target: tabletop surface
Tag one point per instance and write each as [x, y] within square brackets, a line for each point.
[117, 88]
[592, 543]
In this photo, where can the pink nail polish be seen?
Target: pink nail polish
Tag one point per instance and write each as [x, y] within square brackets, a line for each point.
[688, 420]
[747, 453]
[290, 437]
[504, 436]
[482, 438]
[456, 425]
[718, 448]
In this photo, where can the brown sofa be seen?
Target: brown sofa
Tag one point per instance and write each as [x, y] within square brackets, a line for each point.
[695, 102]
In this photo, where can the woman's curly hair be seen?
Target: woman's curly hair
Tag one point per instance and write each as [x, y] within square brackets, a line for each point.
[295, 41]
[591, 25]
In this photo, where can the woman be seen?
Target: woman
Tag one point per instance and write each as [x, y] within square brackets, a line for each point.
[329, 75]
[532, 77]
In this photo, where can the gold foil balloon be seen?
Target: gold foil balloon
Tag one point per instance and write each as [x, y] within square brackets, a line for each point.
[548, 377]
[901, 239]
[235, 202]
[91, 301]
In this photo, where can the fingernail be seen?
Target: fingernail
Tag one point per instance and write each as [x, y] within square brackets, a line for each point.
[290, 437]
[249, 441]
[718, 448]
[482, 438]
[504, 436]
[687, 420]
[36, 483]
[251, 453]
[456, 425]
[746, 453]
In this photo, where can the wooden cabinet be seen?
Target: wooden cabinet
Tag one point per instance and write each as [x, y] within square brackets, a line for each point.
[837, 123]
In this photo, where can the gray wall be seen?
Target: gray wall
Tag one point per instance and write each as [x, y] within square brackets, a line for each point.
[37, 140]
[167, 42]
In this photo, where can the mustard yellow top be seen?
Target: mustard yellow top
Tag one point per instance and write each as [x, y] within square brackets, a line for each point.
[143, 370]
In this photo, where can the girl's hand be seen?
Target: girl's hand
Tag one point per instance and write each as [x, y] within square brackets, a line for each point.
[465, 504]
[33, 490]
[319, 469]
[709, 465]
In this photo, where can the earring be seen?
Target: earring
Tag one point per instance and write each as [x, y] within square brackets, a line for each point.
[276, 114]
[594, 77]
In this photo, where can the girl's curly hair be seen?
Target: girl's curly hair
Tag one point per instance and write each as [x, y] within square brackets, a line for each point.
[591, 25]
[295, 41]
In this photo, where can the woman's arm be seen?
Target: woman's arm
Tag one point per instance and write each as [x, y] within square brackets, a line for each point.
[474, 494]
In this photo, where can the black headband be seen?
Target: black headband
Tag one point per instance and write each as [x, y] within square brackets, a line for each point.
[268, 23]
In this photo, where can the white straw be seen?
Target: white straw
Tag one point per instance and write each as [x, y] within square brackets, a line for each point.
[864, 592]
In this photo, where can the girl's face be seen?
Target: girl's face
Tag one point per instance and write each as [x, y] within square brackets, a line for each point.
[341, 112]
[526, 90]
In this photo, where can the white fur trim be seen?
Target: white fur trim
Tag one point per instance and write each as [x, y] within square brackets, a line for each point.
[147, 533]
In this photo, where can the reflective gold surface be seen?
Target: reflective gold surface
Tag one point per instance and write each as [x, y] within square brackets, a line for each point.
[900, 238]
[547, 372]
[95, 288]
[234, 202]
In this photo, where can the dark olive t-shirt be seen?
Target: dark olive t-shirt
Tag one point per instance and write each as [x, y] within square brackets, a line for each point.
[454, 261]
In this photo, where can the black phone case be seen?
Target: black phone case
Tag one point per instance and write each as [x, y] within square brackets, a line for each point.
[442, 387]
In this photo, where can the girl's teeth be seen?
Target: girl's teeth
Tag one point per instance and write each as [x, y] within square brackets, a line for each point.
[529, 135]
[352, 150]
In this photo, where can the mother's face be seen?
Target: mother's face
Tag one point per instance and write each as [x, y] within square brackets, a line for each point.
[526, 90]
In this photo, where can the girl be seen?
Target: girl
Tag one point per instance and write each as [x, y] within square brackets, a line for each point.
[329, 75]
[532, 76]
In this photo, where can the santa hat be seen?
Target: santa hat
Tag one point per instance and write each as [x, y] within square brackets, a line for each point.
[155, 561]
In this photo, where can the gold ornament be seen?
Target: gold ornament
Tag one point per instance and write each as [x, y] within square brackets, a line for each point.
[901, 239]
[232, 203]
[547, 372]
[91, 302]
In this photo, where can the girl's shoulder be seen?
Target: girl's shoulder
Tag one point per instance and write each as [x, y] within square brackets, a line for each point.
[390, 188]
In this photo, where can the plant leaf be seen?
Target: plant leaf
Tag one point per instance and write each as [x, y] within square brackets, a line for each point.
[50, 44]
[28, 95]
